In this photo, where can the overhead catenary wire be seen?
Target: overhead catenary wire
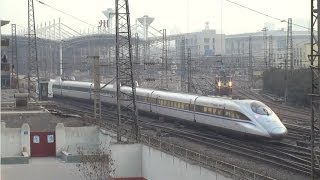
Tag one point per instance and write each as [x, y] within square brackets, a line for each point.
[43, 3]
[264, 14]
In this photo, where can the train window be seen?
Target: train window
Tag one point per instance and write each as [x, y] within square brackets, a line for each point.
[243, 117]
[205, 109]
[219, 112]
[236, 115]
[214, 110]
[260, 108]
[186, 106]
[171, 104]
[209, 110]
[227, 113]
[232, 114]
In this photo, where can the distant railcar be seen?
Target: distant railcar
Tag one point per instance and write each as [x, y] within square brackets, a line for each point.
[223, 85]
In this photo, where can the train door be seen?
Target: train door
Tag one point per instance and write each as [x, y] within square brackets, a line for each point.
[156, 106]
[91, 91]
[61, 88]
[150, 100]
[194, 109]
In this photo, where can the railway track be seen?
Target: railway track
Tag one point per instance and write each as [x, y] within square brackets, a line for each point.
[291, 157]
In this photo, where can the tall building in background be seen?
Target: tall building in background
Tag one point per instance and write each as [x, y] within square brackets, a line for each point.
[204, 43]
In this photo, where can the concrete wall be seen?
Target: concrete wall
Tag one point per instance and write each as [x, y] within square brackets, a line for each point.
[127, 160]
[136, 160]
[70, 138]
[25, 138]
[60, 138]
[14, 140]
[159, 165]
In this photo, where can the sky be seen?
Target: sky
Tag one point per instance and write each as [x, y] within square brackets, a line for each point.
[177, 16]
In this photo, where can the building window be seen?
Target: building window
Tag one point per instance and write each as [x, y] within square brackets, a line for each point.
[213, 40]
[206, 40]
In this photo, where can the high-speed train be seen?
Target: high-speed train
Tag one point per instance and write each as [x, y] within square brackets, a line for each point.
[249, 117]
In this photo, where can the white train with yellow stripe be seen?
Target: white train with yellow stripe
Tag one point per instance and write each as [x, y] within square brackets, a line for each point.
[242, 116]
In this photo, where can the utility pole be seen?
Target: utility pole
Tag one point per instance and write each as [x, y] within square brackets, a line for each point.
[14, 54]
[124, 75]
[189, 70]
[271, 51]
[60, 49]
[265, 42]
[137, 49]
[183, 64]
[33, 74]
[250, 62]
[166, 56]
[137, 59]
[289, 55]
[96, 81]
[289, 45]
[315, 94]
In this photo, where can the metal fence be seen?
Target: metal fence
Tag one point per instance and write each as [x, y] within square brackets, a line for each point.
[201, 159]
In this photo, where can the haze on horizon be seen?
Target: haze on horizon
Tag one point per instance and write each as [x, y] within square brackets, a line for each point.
[176, 16]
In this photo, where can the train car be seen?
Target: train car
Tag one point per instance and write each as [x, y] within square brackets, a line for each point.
[248, 117]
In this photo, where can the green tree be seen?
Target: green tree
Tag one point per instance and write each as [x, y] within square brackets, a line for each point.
[299, 85]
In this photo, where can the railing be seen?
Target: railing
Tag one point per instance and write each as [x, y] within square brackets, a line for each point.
[201, 159]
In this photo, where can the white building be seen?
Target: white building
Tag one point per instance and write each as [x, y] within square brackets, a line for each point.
[204, 43]
[238, 45]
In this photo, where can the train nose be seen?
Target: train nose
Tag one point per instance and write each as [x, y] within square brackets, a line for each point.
[278, 132]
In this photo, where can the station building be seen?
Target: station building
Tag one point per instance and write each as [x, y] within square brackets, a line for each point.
[238, 45]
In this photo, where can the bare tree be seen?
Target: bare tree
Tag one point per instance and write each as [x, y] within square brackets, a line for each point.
[96, 165]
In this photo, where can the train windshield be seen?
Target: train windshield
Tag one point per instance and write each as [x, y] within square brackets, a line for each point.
[260, 108]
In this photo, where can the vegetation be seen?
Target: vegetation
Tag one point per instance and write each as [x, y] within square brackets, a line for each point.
[299, 85]
[96, 165]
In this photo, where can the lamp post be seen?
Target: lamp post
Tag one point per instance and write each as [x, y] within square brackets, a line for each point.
[2, 22]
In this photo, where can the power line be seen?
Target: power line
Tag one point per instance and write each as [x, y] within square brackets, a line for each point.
[65, 13]
[264, 14]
